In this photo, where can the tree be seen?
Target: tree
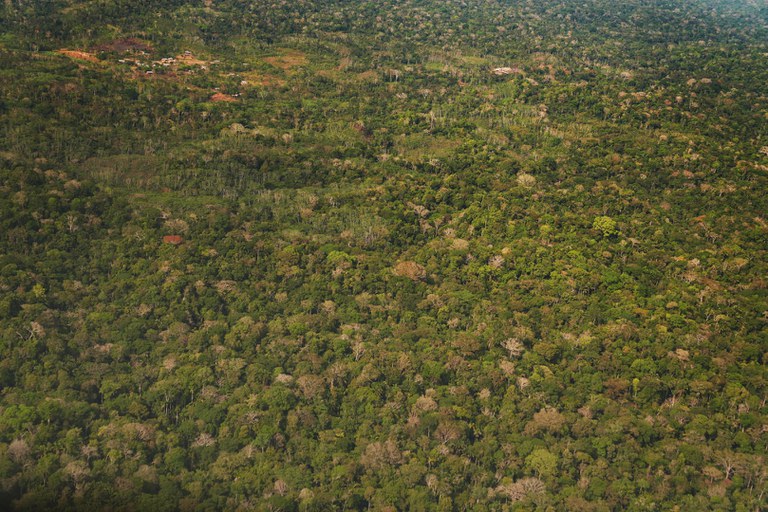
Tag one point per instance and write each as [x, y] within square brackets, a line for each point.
[541, 462]
[606, 226]
[547, 419]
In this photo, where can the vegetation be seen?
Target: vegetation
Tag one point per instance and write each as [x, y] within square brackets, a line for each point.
[383, 255]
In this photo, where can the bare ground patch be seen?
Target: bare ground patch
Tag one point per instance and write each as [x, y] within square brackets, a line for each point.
[288, 60]
[220, 97]
[78, 55]
[190, 60]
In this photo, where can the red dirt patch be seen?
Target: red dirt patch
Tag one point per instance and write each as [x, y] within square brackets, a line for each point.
[79, 55]
[172, 239]
[219, 97]
[288, 60]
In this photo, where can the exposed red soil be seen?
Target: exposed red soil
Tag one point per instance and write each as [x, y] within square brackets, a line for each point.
[172, 239]
[79, 55]
[219, 97]
[288, 60]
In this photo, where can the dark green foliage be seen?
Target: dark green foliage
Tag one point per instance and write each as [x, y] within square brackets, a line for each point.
[319, 255]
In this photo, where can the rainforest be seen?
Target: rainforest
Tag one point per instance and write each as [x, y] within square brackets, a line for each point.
[391, 255]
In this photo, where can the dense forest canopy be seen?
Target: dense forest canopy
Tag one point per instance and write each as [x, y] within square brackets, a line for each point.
[383, 255]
